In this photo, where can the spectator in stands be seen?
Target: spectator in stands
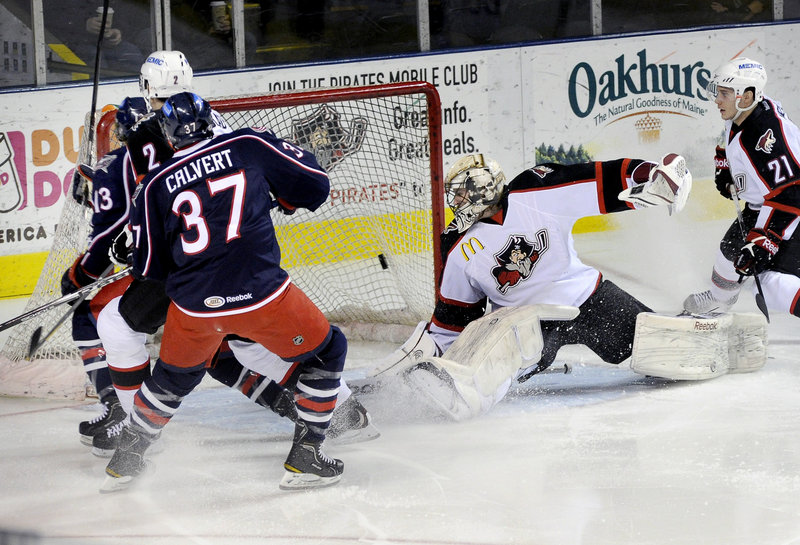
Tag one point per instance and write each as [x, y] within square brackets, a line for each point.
[77, 25]
[735, 11]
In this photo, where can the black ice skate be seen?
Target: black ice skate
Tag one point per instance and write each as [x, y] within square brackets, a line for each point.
[351, 423]
[104, 444]
[112, 415]
[307, 466]
[128, 461]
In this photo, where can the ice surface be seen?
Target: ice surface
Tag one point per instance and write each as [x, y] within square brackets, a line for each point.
[601, 456]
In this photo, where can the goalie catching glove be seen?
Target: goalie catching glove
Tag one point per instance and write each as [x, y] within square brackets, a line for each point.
[670, 183]
[760, 247]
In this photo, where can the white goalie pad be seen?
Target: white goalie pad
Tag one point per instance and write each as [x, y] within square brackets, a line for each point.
[747, 343]
[478, 368]
[698, 347]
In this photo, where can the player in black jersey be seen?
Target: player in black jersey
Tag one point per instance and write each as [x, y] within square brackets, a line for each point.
[111, 184]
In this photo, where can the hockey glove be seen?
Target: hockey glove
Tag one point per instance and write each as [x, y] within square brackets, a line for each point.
[722, 173]
[760, 247]
[669, 184]
[82, 185]
[121, 250]
[75, 278]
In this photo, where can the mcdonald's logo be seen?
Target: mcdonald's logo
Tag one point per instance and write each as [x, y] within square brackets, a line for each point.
[470, 245]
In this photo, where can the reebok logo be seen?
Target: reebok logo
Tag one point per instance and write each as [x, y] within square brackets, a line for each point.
[236, 298]
[705, 326]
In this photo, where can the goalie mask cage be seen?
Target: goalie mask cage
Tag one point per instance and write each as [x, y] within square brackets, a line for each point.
[369, 257]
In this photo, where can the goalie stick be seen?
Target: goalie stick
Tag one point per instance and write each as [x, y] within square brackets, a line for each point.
[373, 384]
[760, 301]
[65, 299]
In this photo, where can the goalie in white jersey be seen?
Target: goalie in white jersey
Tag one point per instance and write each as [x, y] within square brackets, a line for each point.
[511, 245]
[510, 248]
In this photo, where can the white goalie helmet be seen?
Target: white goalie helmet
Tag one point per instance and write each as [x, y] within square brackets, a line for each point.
[473, 184]
[740, 74]
[165, 73]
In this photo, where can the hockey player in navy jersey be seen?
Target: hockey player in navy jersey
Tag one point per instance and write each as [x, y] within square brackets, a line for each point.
[112, 185]
[758, 165]
[509, 248]
[201, 224]
[125, 321]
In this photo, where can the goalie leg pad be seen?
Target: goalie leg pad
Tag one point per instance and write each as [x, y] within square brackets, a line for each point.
[485, 358]
[747, 343]
[681, 347]
[699, 348]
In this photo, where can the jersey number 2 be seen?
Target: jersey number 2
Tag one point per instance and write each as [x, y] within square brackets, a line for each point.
[193, 219]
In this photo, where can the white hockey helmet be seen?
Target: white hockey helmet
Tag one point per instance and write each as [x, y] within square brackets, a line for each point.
[165, 73]
[473, 184]
[740, 74]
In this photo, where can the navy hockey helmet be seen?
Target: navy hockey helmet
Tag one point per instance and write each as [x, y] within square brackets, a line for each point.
[185, 119]
[129, 113]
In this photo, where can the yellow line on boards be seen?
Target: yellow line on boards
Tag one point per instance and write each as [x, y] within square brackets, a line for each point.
[20, 274]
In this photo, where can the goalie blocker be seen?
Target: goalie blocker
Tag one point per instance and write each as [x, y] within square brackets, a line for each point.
[480, 366]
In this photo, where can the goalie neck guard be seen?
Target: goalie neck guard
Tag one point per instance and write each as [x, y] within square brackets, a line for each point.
[740, 74]
[473, 184]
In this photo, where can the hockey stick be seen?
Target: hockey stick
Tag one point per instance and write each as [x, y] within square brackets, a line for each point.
[96, 80]
[760, 302]
[65, 299]
[37, 340]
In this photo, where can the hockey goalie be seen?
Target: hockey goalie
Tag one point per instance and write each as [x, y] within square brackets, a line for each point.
[509, 249]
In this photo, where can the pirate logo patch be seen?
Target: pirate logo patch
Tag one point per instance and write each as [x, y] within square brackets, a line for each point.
[322, 133]
[516, 261]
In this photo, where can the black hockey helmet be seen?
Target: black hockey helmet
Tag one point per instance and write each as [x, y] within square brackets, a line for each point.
[185, 119]
[129, 113]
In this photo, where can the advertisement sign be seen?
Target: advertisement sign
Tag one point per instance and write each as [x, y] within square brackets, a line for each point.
[639, 96]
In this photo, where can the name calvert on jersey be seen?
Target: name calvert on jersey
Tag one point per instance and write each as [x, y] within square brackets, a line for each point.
[216, 209]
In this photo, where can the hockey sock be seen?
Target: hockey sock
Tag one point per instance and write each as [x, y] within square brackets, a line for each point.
[94, 363]
[128, 381]
[84, 333]
[160, 396]
[318, 385]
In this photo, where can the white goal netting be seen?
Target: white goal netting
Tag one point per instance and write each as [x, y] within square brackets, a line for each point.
[368, 257]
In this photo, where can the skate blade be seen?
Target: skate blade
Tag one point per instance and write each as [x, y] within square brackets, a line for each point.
[306, 481]
[86, 440]
[103, 453]
[360, 435]
[113, 484]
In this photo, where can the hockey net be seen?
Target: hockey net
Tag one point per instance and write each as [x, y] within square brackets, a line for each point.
[369, 257]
